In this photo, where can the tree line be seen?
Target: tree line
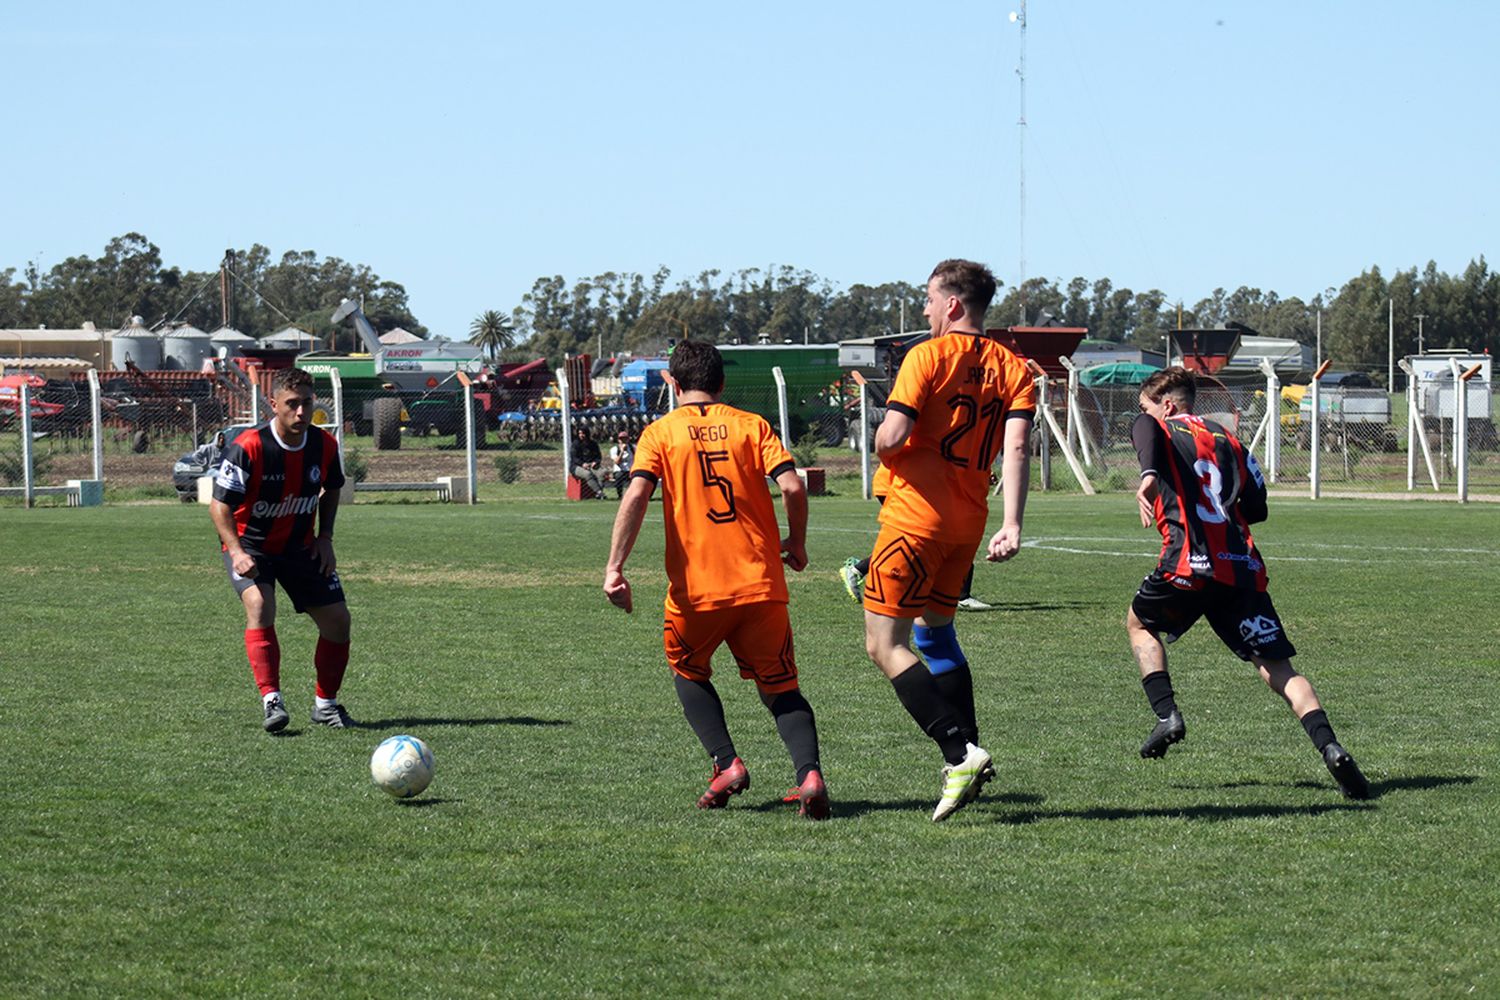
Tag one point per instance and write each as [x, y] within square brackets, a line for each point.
[631, 312]
[129, 279]
[640, 314]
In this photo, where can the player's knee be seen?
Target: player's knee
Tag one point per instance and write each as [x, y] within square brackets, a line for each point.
[939, 647]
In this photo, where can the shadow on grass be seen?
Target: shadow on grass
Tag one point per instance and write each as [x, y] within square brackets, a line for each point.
[409, 722]
[1213, 814]
[1416, 782]
[852, 808]
[423, 803]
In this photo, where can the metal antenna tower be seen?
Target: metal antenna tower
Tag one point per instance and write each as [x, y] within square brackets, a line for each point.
[1019, 17]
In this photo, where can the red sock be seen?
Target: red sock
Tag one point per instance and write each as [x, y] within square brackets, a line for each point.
[265, 658]
[329, 660]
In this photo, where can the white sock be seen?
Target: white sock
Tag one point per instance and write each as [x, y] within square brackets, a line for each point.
[325, 702]
[266, 698]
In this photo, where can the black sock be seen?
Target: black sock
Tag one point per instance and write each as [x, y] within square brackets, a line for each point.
[968, 586]
[705, 713]
[798, 729]
[863, 566]
[923, 701]
[1159, 692]
[1318, 729]
[957, 688]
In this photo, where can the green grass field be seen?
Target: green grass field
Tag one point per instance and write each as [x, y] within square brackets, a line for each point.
[156, 843]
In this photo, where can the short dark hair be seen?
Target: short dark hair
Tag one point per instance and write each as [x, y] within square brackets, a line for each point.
[1177, 382]
[971, 282]
[290, 378]
[697, 366]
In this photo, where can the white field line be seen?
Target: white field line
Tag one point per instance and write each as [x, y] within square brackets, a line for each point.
[1053, 544]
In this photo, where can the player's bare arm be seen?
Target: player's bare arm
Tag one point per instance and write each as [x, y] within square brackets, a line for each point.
[794, 499]
[1015, 470]
[328, 508]
[627, 527]
[1145, 500]
[240, 560]
[891, 435]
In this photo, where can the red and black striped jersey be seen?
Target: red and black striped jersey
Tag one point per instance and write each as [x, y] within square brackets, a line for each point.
[1209, 490]
[273, 490]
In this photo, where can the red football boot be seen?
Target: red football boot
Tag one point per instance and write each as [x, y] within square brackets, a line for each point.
[725, 782]
[811, 796]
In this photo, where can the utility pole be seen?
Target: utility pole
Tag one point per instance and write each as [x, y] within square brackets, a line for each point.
[1420, 318]
[1019, 17]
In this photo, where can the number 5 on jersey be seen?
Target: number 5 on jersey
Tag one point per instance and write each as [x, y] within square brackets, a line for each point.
[712, 480]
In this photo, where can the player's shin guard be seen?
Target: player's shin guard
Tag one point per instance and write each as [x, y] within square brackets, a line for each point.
[329, 660]
[798, 729]
[264, 653]
[950, 669]
[926, 705]
[705, 713]
[1158, 687]
[1319, 730]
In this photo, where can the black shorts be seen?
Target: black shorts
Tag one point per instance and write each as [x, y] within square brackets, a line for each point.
[298, 574]
[1244, 619]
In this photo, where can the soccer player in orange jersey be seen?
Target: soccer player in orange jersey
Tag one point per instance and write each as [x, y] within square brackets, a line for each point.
[958, 399]
[724, 567]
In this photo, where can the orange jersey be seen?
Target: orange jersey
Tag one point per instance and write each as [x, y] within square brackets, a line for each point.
[880, 483]
[959, 388]
[723, 542]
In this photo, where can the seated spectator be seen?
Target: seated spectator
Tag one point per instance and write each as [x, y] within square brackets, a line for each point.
[621, 455]
[586, 461]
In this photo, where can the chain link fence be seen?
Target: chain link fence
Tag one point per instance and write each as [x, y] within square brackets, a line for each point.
[154, 434]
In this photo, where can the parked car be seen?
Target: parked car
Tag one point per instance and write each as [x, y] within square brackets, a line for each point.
[201, 461]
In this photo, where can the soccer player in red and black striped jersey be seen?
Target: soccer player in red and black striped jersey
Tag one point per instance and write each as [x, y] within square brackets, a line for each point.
[275, 485]
[1202, 490]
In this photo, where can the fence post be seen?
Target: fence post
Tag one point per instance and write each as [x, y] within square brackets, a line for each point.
[865, 482]
[473, 461]
[1046, 434]
[337, 379]
[96, 420]
[1273, 428]
[786, 428]
[567, 423]
[28, 476]
[1314, 471]
[1461, 427]
[1092, 454]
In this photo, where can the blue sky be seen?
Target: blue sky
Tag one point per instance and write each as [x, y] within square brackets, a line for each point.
[467, 149]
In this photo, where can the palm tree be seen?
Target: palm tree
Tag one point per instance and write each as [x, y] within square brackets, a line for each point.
[492, 331]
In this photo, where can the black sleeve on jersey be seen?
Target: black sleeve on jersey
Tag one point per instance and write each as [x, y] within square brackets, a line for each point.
[1028, 414]
[643, 474]
[903, 409]
[334, 480]
[1150, 444]
[783, 467]
[234, 456]
[1252, 501]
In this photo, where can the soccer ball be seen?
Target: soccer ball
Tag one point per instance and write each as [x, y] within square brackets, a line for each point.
[402, 765]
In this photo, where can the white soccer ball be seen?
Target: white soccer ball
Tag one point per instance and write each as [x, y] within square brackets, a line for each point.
[402, 765]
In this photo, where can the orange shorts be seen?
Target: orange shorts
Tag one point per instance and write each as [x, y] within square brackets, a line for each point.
[910, 575]
[759, 635]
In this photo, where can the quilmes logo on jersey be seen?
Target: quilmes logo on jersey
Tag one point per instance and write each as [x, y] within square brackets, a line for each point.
[291, 505]
[231, 478]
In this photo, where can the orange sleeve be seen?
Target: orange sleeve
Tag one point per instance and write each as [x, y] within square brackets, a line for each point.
[913, 381]
[773, 453]
[648, 456]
